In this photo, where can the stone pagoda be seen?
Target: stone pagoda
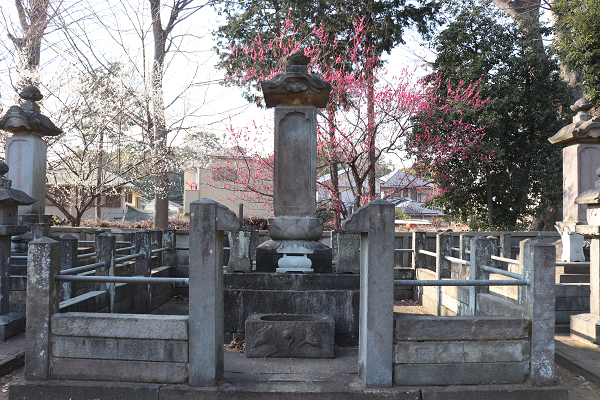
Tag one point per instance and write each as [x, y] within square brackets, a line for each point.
[581, 157]
[295, 230]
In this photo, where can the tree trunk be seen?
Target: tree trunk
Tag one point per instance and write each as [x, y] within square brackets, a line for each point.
[516, 9]
[333, 172]
[161, 181]
[100, 161]
[34, 21]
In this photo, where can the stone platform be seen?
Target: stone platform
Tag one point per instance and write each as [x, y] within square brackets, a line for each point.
[327, 379]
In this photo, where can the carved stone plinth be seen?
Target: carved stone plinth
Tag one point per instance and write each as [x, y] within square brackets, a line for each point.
[267, 255]
[295, 228]
[289, 336]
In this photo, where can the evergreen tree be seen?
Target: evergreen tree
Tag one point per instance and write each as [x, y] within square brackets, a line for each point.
[522, 175]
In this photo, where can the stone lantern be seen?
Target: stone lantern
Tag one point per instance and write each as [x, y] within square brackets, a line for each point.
[26, 150]
[581, 157]
[295, 231]
[10, 200]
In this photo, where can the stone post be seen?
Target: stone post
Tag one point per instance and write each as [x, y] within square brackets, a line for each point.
[143, 265]
[10, 199]
[208, 220]
[506, 251]
[494, 241]
[443, 267]
[296, 95]
[105, 252]
[68, 259]
[156, 243]
[481, 253]
[43, 262]
[418, 243]
[348, 260]
[168, 240]
[375, 223]
[26, 148]
[240, 242]
[539, 262]
[463, 247]
[581, 157]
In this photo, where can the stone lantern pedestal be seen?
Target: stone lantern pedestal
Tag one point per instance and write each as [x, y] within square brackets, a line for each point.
[587, 326]
[11, 324]
[296, 95]
[581, 157]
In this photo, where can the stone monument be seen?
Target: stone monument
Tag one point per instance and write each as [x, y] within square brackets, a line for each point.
[587, 326]
[26, 150]
[10, 199]
[296, 95]
[581, 157]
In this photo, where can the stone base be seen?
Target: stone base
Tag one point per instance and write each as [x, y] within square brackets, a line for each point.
[586, 326]
[283, 228]
[267, 257]
[239, 386]
[11, 324]
[289, 336]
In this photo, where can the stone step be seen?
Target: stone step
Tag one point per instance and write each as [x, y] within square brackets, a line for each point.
[573, 278]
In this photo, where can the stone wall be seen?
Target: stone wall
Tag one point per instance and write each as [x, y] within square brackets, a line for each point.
[461, 350]
[101, 347]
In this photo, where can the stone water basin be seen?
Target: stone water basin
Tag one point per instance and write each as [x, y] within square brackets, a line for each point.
[289, 336]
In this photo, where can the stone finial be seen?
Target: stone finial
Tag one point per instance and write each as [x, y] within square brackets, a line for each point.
[27, 117]
[4, 182]
[296, 85]
[31, 95]
[581, 105]
[584, 129]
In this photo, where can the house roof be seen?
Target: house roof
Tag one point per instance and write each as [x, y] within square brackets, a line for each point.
[401, 178]
[415, 208]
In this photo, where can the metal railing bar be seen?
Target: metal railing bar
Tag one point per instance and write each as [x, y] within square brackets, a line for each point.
[119, 279]
[506, 260]
[84, 268]
[428, 253]
[403, 250]
[18, 257]
[477, 282]
[573, 264]
[130, 257]
[457, 260]
[159, 250]
[86, 255]
[124, 249]
[501, 272]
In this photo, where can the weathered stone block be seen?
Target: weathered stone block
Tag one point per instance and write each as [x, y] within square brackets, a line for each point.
[121, 326]
[471, 351]
[422, 328]
[120, 349]
[289, 335]
[586, 326]
[460, 373]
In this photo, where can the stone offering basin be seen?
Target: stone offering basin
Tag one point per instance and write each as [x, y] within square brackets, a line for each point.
[289, 336]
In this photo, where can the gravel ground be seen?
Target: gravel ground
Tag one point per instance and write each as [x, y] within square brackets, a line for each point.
[579, 388]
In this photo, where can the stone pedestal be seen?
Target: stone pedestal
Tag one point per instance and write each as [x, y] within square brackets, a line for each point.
[587, 325]
[240, 252]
